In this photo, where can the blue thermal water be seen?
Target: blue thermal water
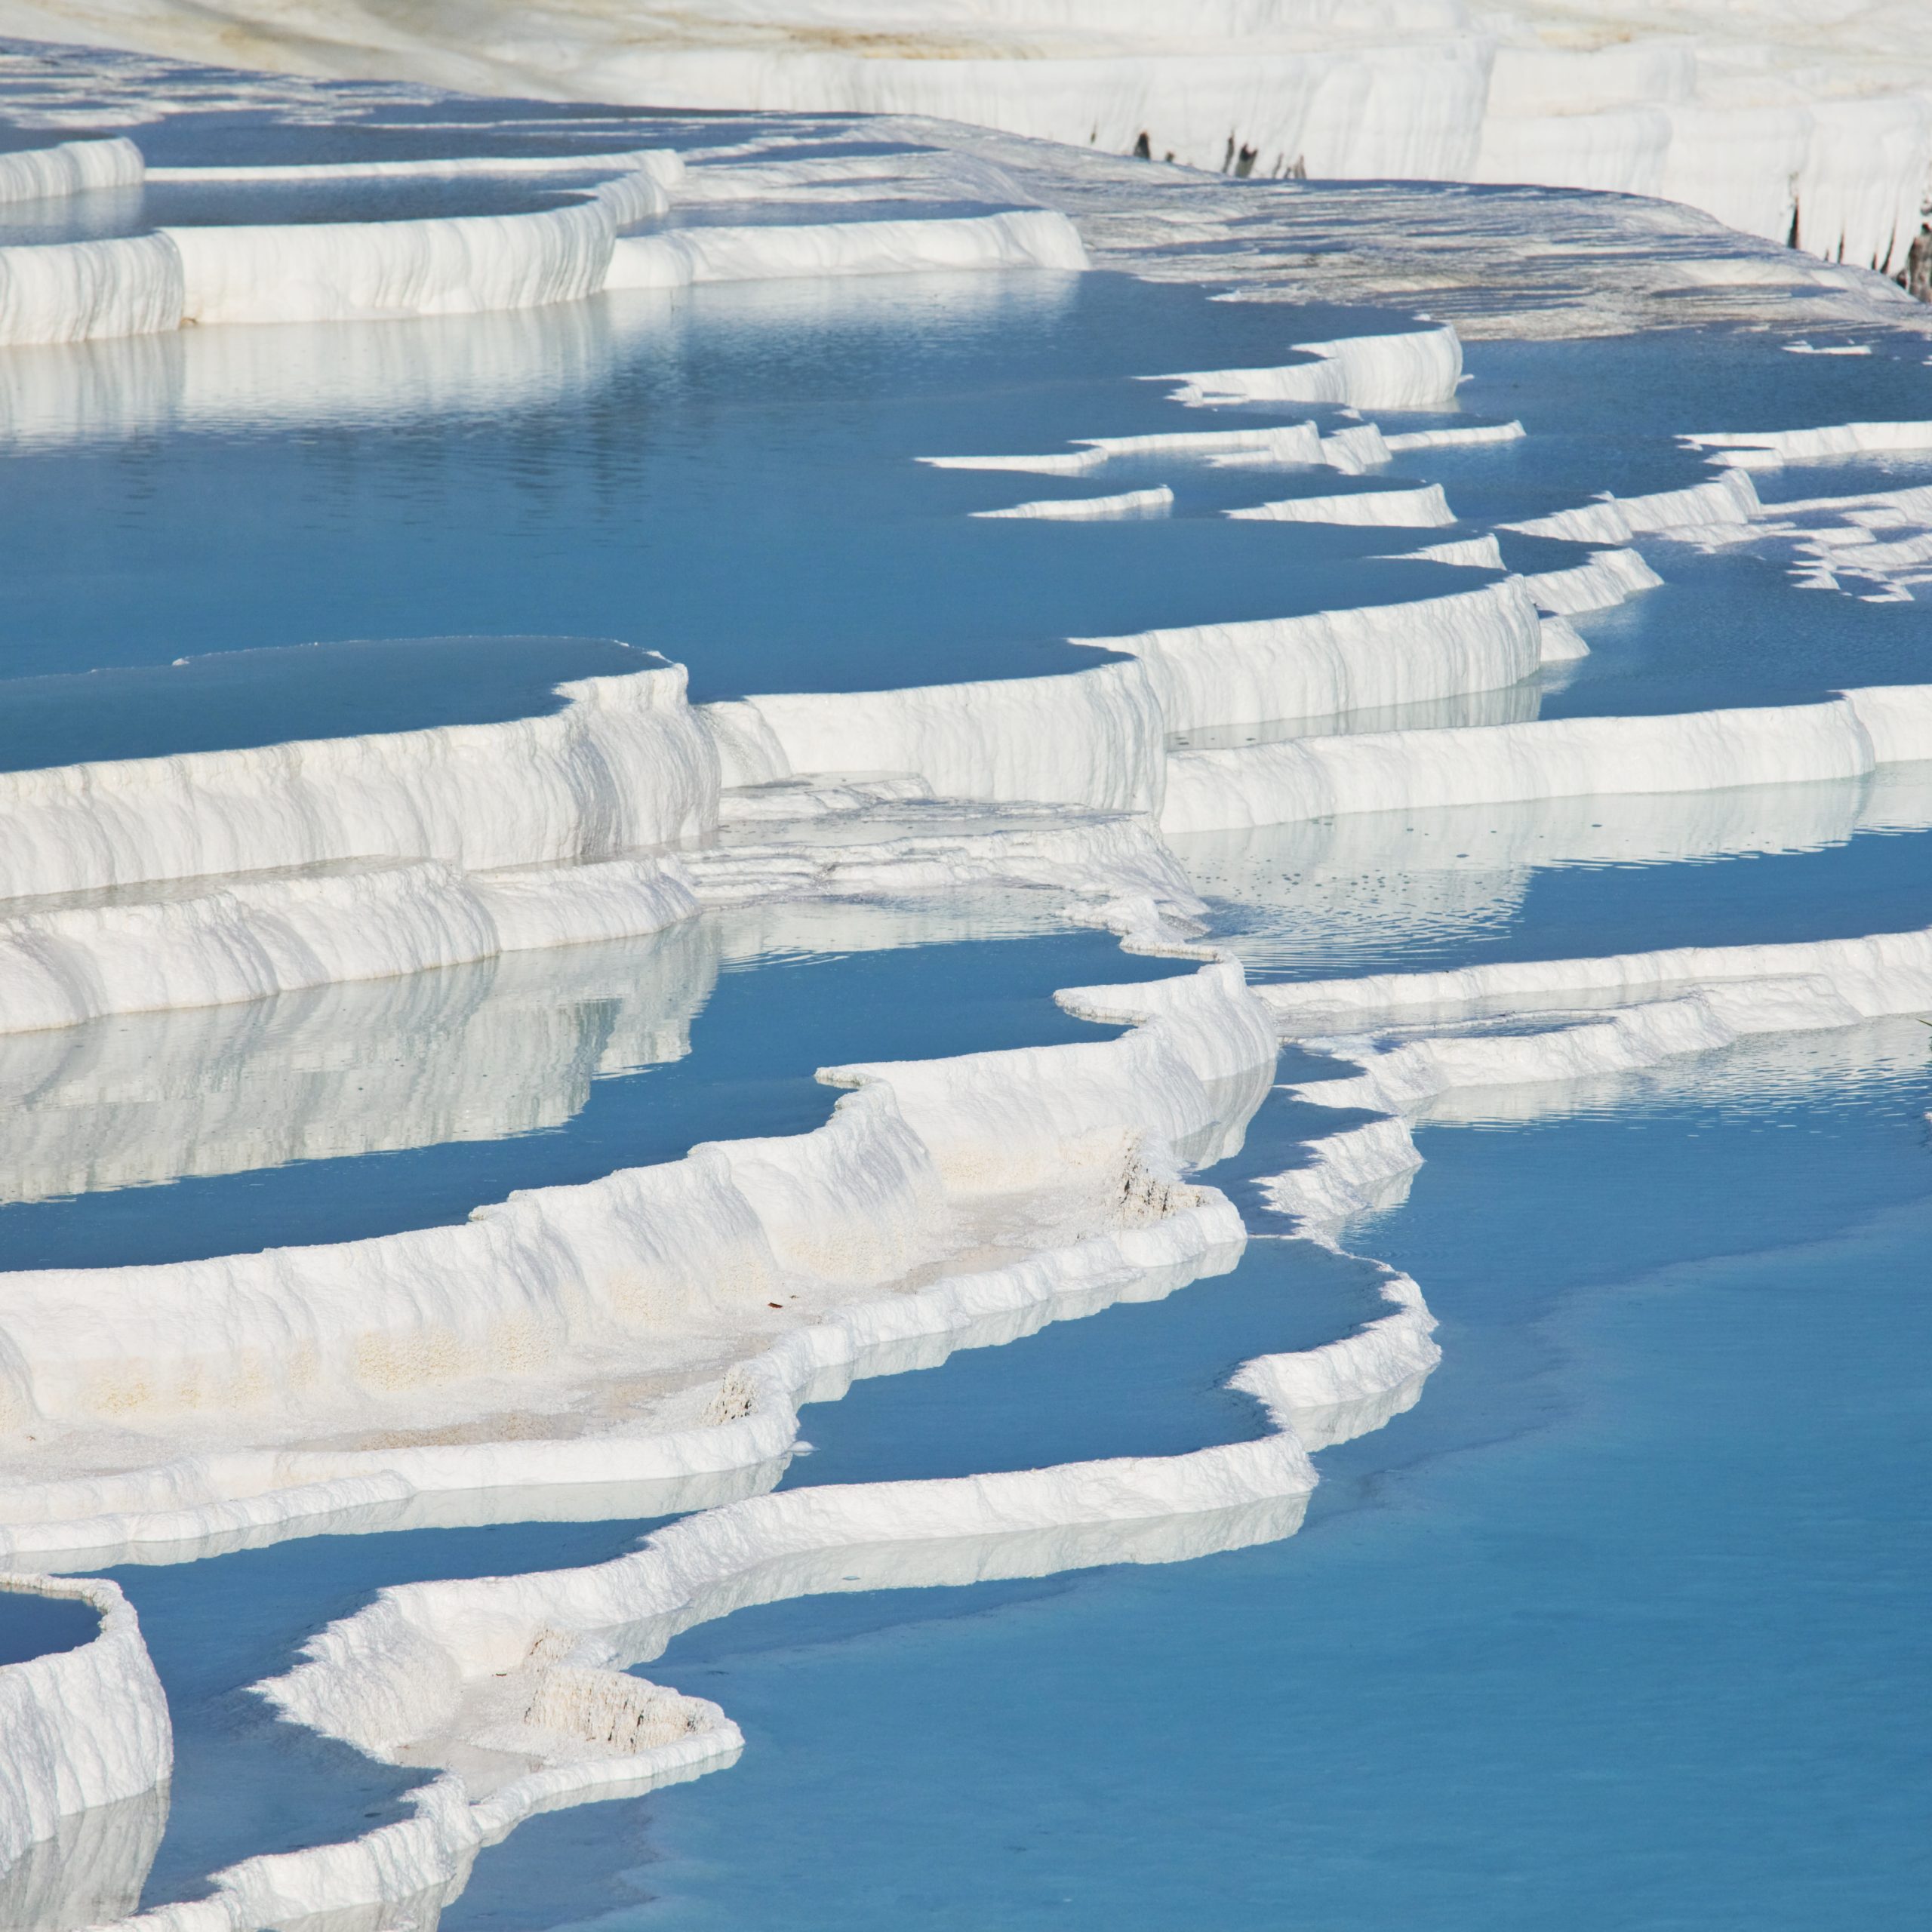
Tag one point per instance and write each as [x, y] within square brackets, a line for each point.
[632, 456]
[1760, 639]
[1730, 628]
[414, 127]
[1607, 413]
[759, 1029]
[230, 204]
[93, 216]
[166, 203]
[1620, 1625]
[36, 1626]
[232, 700]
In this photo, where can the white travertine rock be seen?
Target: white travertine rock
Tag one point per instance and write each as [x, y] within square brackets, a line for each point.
[1473, 435]
[1846, 737]
[1107, 869]
[1604, 581]
[1418, 369]
[1416, 1037]
[624, 763]
[1848, 980]
[429, 1672]
[1013, 239]
[1765, 449]
[1358, 448]
[310, 271]
[440, 1673]
[1783, 123]
[255, 935]
[210, 878]
[1264, 444]
[1727, 499]
[220, 1376]
[1481, 553]
[1562, 642]
[663, 166]
[1421, 507]
[1155, 501]
[80, 1729]
[73, 291]
[1353, 658]
[446, 266]
[1092, 738]
[457, 264]
[71, 167]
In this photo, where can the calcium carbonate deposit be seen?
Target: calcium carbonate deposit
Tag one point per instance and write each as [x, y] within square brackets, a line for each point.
[983, 981]
[1779, 120]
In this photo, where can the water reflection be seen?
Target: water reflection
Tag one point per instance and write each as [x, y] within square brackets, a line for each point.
[294, 373]
[89, 1871]
[474, 1052]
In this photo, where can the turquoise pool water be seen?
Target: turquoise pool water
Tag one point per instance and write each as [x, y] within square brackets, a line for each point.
[615, 464]
[1618, 1626]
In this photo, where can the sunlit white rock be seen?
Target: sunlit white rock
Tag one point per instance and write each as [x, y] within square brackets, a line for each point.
[451, 265]
[1473, 435]
[70, 168]
[624, 763]
[1820, 982]
[1014, 239]
[1310, 778]
[81, 1728]
[255, 936]
[1088, 737]
[1480, 553]
[1754, 449]
[1604, 581]
[1788, 129]
[1730, 498]
[1336, 660]
[72, 291]
[220, 1376]
[1422, 507]
[1155, 501]
[1265, 443]
[1417, 370]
